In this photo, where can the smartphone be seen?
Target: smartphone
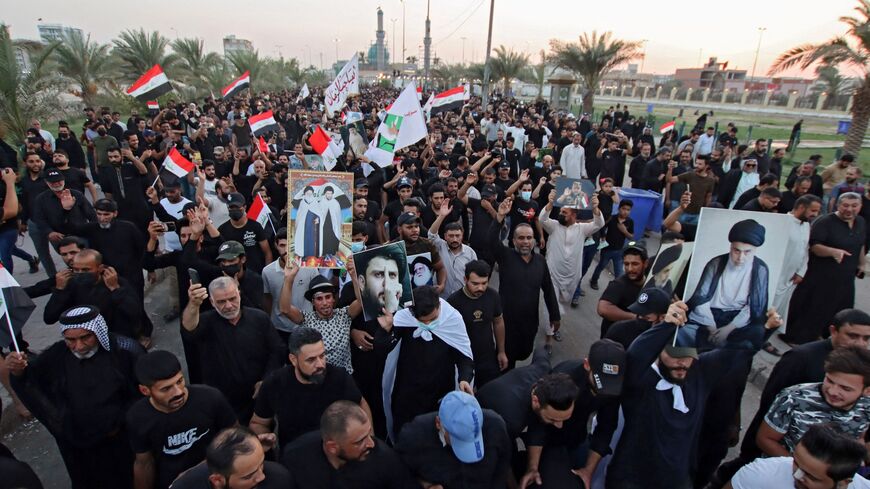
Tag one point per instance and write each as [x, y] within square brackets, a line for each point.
[169, 227]
[194, 275]
[125, 145]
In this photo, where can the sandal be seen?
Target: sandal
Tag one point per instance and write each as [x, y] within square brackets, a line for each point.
[769, 348]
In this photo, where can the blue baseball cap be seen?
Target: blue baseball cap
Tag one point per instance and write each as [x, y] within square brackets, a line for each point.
[462, 418]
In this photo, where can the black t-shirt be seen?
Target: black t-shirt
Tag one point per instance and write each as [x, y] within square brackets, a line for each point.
[75, 178]
[243, 134]
[178, 440]
[9, 223]
[621, 292]
[478, 315]
[624, 332]
[249, 236]
[298, 406]
[276, 475]
[524, 211]
[615, 238]
[310, 469]
[509, 395]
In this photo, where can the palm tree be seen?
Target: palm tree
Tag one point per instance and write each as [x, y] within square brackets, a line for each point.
[138, 51]
[537, 74]
[84, 63]
[852, 50]
[193, 62]
[475, 71]
[506, 65]
[216, 77]
[25, 93]
[832, 83]
[449, 75]
[591, 58]
[247, 61]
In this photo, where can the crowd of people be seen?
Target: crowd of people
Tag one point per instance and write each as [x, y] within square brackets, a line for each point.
[285, 383]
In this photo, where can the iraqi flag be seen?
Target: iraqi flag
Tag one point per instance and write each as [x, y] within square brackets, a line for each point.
[262, 145]
[151, 85]
[237, 85]
[667, 126]
[153, 105]
[452, 99]
[177, 164]
[15, 308]
[325, 147]
[262, 123]
[420, 93]
[259, 211]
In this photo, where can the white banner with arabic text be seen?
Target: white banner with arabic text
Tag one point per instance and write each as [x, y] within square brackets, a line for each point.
[344, 85]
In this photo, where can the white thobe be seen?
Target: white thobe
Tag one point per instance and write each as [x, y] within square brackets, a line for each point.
[573, 161]
[565, 253]
[795, 263]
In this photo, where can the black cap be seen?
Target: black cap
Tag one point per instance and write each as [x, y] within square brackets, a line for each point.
[504, 164]
[488, 190]
[53, 176]
[652, 300]
[607, 365]
[171, 183]
[106, 205]
[235, 199]
[360, 182]
[408, 218]
[319, 284]
[404, 182]
[638, 246]
[441, 157]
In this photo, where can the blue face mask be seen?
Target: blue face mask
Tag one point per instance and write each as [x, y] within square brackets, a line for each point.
[526, 195]
[539, 164]
[357, 246]
[428, 327]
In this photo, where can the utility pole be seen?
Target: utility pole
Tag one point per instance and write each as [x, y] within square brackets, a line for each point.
[757, 49]
[643, 55]
[487, 70]
[463, 50]
[394, 40]
[403, 31]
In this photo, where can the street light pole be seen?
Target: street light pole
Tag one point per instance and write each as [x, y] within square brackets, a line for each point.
[463, 50]
[394, 39]
[336, 49]
[643, 54]
[757, 49]
[403, 31]
[486, 67]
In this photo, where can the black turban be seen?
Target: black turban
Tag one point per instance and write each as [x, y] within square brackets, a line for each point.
[666, 257]
[747, 231]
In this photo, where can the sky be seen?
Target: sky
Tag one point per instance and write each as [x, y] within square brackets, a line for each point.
[678, 32]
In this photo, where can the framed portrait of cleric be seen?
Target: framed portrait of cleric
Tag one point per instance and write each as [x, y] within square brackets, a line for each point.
[669, 265]
[354, 137]
[735, 266]
[421, 269]
[320, 218]
[382, 279]
[574, 193]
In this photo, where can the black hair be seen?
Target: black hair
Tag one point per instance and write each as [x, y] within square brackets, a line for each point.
[302, 336]
[806, 201]
[768, 179]
[426, 300]
[850, 316]
[453, 226]
[436, 187]
[206, 163]
[413, 202]
[842, 454]
[556, 390]
[772, 192]
[851, 360]
[280, 234]
[155, 366]
[229, 444]
[636, 251]
[479, 268]
[359, 227]
[181, 223]
[800, 180]
[847, 158]
[334, 420]
[705, 158]
[626, 203]
[671, 236]
[72, 240]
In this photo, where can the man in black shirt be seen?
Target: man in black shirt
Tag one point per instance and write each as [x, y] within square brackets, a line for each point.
[654, 171]
[636, 167]
[54, 210]
[75, 178]
[80, 389]
[479, 450]
[483, 211]
[650, 307]
[296, 395]
[238, 346]
[767, 201]
[618, 229]
[800, 365]
[30, 186]
[247, 232]
[622, 291]
[480, 307]
[170, 430]
[344, 454]
[124, 180]
[235, 459]
[93, 283]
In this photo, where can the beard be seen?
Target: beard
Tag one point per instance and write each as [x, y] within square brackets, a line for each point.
[668, 373]
[229, 315]
[315, 378]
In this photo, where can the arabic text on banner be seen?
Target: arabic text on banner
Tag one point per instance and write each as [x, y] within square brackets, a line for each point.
[344, 85]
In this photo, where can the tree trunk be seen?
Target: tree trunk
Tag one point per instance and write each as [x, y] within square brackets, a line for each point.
[860, 118]
[588, 100]
[507, 87]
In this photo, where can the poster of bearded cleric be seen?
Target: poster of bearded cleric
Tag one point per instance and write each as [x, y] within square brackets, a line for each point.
[320, 218]
[383, 280]
[735, 266]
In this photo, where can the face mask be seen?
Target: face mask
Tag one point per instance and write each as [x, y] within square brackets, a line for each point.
[562, 220]
[64, 136]
[85, 279]
[526, 195]
[357, 246]
[231, 270]
[539, 164]
[236, 214]
[428, 327]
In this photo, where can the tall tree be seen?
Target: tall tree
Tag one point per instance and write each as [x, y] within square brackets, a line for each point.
[138, 51]
[508, 64]
[83, 62]
[832, 83]
[247, 61]
[26, 92]
[193, 62]
[851, 50]
[591, 58]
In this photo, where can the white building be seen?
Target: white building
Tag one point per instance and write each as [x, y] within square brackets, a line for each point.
[233, 44]
[55, 32]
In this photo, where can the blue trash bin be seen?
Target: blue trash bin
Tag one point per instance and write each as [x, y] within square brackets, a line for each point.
[646, 212]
